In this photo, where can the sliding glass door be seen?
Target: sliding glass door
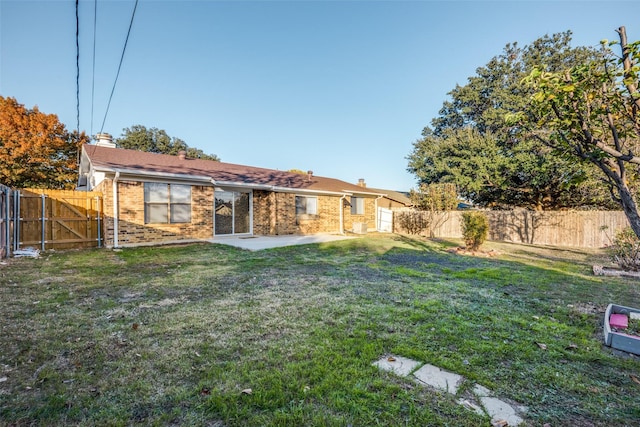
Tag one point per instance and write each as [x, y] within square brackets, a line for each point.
[232, 212]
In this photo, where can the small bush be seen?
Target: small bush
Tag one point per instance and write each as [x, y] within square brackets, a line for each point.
[475, 229]
[625, 250]
[413, 222]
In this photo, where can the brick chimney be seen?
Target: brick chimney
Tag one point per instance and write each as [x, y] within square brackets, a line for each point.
[361, 183]
[309, 175]
[182, 155]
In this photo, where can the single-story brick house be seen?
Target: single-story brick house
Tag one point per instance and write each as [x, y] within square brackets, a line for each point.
[158, 198]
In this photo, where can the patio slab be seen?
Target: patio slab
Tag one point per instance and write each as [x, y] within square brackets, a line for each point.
[257, 243]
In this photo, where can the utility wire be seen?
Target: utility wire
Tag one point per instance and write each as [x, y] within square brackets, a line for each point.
[120, 65]
[77, 69]
[93, 71]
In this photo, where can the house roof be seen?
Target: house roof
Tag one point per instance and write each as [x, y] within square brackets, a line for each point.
[396, 196]
[142, 163]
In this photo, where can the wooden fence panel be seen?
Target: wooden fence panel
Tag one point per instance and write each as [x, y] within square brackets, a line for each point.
[590, 229]
[60, 219]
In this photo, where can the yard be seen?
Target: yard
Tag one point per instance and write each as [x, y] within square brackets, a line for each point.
[211, 335]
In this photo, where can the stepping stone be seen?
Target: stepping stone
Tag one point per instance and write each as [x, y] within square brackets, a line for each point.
[471, 406]
[499, 410]
[481, 391]
[438, 378]
[397, 364]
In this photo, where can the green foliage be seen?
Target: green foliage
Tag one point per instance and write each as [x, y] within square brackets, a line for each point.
[156, 140]
[591, 112]
[298, 171]
[472, 145]
[435, 197]
[625, 250]
[475, 229]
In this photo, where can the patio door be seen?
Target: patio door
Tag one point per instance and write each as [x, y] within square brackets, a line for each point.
[232, 212]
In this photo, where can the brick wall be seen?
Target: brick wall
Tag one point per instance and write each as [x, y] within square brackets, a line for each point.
[368, 217]
[133, 231]
[273, 214]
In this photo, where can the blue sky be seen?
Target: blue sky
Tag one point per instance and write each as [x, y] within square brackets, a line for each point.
[342, 88]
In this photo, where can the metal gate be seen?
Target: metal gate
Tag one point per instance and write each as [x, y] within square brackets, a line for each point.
[7, 215]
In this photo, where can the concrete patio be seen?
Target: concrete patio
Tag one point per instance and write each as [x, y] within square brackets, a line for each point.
[257, 243]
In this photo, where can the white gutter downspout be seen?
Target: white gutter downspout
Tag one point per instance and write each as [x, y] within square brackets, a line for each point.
[342, 199]
[115, 209]
[213, 220]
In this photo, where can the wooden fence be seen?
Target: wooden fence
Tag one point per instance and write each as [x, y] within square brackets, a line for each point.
[60, 219]
[589, 229]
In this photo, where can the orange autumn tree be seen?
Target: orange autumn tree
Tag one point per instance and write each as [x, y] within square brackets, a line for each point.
[36, 150]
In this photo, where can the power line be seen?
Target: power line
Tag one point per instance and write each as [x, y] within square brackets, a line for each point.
[93, 71]
[77, 69]
[119, 66]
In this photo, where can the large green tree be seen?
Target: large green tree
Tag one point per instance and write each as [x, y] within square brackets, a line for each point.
[36, 150]
[592, 112]
[471, 145]
[155, 140]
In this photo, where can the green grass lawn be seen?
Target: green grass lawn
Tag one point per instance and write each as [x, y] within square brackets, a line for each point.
[178, 335]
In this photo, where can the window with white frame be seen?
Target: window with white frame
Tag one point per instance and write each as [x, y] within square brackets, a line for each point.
[357, 205]
[306, 205]
[167, 203]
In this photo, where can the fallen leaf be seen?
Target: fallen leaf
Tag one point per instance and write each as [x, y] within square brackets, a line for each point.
[135, 326]
[499, 423]
[571, 347]
[205, 391]
[247, 391]
[391, 359]
[634, 379]
[196, 353]
[541, 345]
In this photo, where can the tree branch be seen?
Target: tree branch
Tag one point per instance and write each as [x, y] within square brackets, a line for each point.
[627, 64]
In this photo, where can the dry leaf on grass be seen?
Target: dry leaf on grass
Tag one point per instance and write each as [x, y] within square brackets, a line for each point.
[246, 391]
[391, 359]
[541, 345]
[634, 379]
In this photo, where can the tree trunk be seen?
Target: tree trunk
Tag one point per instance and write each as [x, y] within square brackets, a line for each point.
[630, 208]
